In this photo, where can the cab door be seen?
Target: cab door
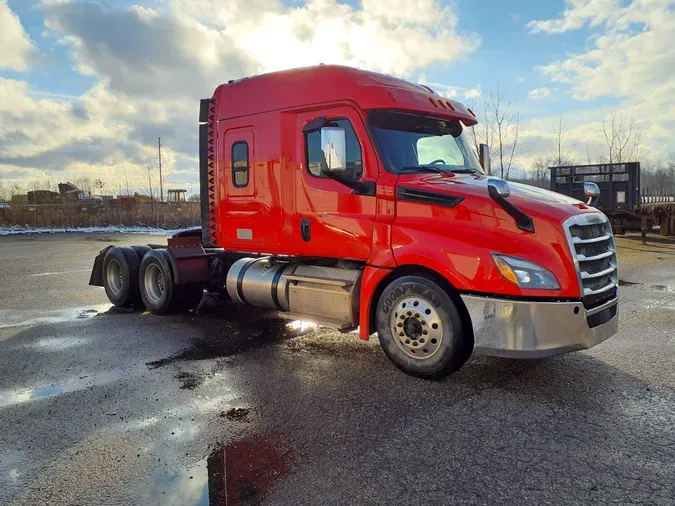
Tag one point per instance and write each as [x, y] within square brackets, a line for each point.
[243, 217]
[331, 219]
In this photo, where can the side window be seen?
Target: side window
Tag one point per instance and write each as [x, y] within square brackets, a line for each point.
[240, 164]
[315, 158]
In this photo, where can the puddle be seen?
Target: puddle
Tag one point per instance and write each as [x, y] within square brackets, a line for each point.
[238, 474]
[229, 329]
[19, 396]
[23, 318]
[56, 343]
[27, 395]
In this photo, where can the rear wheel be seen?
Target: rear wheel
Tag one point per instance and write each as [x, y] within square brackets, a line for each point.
[420, 328]
[158, 291]
[120, 276]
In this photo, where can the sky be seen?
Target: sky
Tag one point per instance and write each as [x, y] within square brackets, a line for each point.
[87, 87]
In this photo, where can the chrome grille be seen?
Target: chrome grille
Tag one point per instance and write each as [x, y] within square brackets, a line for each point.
[592, 244]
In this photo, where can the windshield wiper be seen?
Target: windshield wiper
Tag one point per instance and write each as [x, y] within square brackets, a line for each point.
[423, 168]
[438, 170]
[464, 171]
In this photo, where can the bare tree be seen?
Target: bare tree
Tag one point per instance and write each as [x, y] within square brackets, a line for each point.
[539, 173]
[149, 177]
[622, 138]
[559, 152]
[16, 189]
[483, 132]
[589, 159]
[500, 129]
[658, 175]
[83, 183]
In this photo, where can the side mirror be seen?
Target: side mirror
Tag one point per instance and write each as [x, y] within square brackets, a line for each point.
[334, 148]
[484, 157]
[592, 192]
[498, 188]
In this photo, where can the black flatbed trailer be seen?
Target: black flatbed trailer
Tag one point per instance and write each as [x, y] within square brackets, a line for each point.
[626, 204]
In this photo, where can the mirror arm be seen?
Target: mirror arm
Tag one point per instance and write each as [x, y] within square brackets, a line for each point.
[523, 221]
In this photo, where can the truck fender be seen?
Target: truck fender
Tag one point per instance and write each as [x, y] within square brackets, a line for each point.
[372, 276]
[373, 283]
[96, 278]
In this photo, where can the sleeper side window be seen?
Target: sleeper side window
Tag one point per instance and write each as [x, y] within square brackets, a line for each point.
[315, 157]
[240, 164]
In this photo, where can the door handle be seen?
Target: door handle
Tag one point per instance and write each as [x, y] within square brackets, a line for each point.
[305, 229]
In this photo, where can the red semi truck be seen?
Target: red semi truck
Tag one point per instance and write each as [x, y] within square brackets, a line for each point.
[355, 200]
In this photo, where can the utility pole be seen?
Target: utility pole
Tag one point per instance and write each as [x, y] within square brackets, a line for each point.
[161, 184]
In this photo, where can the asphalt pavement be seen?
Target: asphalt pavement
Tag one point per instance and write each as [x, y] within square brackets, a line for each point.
[233, 405]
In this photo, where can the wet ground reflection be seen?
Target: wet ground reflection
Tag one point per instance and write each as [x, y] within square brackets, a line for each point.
[238, 474]
[228, 329]
[32, 317]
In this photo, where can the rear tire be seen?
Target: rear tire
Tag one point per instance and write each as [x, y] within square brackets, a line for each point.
[420, 329]
[158, 291]
[140, 252]
[120, 276]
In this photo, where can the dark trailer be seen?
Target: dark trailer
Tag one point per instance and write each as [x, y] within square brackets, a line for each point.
[626, 204]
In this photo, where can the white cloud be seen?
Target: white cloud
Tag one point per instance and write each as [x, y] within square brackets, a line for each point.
[454, 92]
[140, 52]
[16, 46]
[152, 65]
[576, 14]
[539, 93]
[631, 57]
[138, 48]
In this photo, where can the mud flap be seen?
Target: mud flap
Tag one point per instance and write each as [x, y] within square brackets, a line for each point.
[96, 278]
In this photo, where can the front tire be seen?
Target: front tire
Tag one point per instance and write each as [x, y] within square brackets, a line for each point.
[420, 329]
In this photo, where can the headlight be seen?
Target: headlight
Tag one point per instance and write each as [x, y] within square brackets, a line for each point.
[525, 274]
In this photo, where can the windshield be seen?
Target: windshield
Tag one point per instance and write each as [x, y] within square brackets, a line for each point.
[416, 143]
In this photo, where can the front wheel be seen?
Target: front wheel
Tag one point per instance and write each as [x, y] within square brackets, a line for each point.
[420, 328]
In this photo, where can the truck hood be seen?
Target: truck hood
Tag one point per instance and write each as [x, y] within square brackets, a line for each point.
[534, 201]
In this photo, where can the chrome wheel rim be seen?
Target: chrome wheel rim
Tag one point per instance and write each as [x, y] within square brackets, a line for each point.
[154, 283]
[416, 327]
[114, 277]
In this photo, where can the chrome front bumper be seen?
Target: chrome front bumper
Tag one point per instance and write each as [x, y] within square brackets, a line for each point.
[527, 329]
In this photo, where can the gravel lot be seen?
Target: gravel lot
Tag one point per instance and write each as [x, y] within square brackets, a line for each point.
[99, 406]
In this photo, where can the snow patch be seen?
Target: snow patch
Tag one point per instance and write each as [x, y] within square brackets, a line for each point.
[122, 230]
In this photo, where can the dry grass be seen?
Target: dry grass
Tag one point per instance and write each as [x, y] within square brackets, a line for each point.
[165, 215]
